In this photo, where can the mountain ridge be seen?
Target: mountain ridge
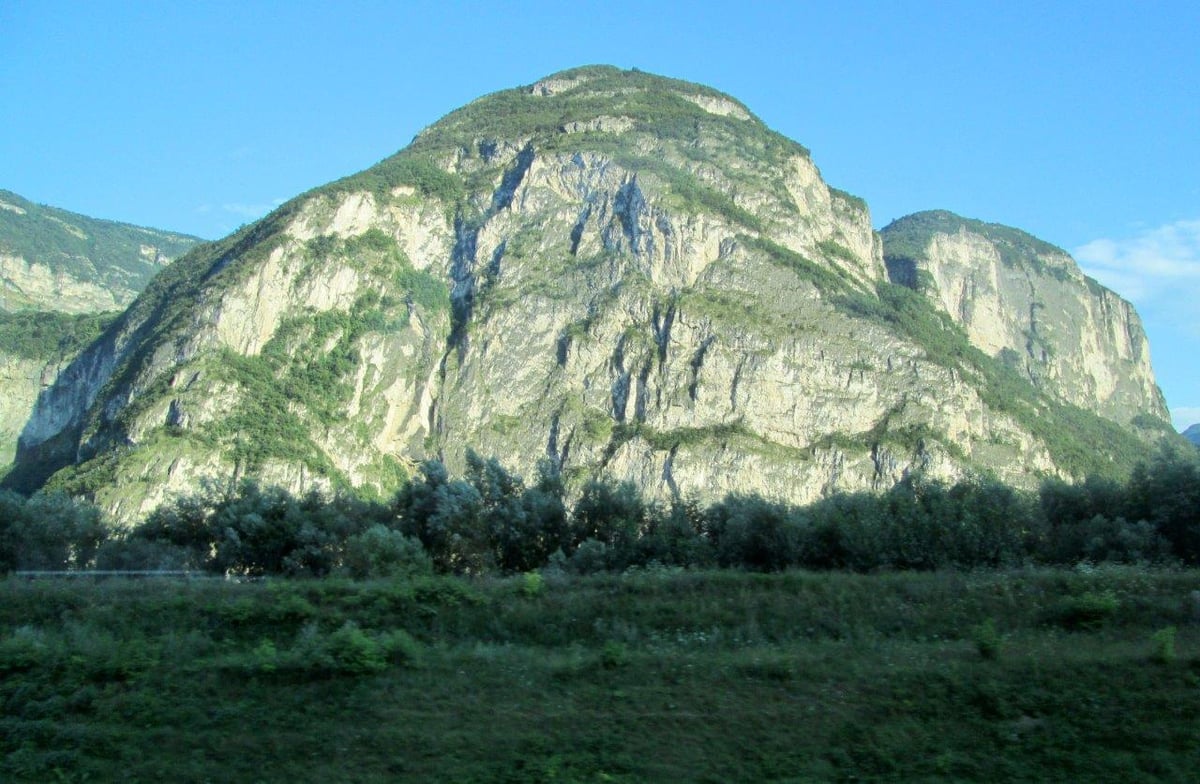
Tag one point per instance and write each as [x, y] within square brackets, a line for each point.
[55, 259]
[623, 274]
[63, 279]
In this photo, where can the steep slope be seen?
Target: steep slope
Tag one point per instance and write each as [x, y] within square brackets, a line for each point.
[621, 273]
[52, 259]
[58, 270]
[34, 347]
[1026, 303]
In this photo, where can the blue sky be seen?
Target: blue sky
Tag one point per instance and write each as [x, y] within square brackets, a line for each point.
[1078, 122]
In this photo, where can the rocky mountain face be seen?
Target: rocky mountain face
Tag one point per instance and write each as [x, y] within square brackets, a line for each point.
[623, 274]
[57, 271]
[55, 260]
[1027, 304]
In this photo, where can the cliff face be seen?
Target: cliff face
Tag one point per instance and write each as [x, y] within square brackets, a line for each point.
[57, 271]
[55, 260]
[624, 274]
[1027, 304]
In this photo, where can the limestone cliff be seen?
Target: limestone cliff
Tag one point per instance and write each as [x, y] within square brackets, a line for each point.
[55, 260]
[58, 270]
[1026, 303]
[624, 274]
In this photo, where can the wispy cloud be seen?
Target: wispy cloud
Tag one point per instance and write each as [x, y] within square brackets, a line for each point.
[1156, 263]
[1158, 269]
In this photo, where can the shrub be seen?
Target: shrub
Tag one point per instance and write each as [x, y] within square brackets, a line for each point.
[347, 651]
[1163, 641]
[987, 640]
[401, 648]
[355, 653]
[382, 552]
[1089, 611]
[613, 655]
[590, 557]
[24, 649]
[531, 585]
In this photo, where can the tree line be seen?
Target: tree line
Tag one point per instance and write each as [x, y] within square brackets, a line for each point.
[491, 521]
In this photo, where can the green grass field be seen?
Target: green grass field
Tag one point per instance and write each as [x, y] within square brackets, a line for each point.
[1084, 675]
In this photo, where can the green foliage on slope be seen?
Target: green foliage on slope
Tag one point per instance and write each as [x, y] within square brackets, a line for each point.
[647, 676]
[49, 335]
[656, 107]
[1079, 441]
[908, 238]
[88, 249]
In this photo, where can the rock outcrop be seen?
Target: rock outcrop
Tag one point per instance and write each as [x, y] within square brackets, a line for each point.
[68, 268]
[55, 260]
[1027, 304]
[623, 274]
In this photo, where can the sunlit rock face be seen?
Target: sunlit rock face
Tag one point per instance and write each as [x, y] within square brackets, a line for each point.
[624, 275]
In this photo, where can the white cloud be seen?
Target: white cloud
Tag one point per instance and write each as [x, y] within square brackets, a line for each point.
[1158, 269]
[1161, 262]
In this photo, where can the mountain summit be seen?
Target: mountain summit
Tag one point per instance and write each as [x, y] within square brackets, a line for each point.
[616, 272]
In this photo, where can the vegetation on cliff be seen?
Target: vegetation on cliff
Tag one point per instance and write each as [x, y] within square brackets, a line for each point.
[117, 256]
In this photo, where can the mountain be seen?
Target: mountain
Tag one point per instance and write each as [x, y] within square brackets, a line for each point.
[1026, 303]
[52, 259]
[61, 276]
[1193, 434]
[624, 274]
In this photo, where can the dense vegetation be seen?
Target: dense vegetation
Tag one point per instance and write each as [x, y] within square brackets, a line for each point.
[482, 629]
[492, 522]
[47, 336]
[651, 675]
[660, 114]
[88, 248]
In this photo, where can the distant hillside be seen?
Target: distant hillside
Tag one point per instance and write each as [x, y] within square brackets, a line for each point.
[63, 276]
[1193, 434]
[52, 259]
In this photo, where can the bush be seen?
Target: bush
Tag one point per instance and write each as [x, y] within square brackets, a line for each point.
[1088, 611]
[987, 640]
[355, 653]
[401, 648]
[531, 585]
[1163, 641]
[347, 651]
[382, 552]
[614, 655]
[24, 649]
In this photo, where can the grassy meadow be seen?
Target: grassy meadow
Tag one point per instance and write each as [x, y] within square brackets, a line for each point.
[1088, 674]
